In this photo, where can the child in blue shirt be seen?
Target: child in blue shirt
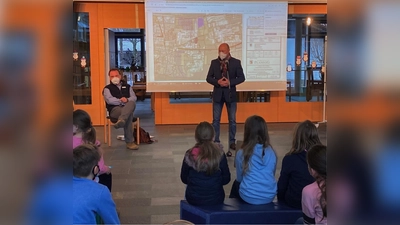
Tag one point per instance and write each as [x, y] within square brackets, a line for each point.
[256, 164]
[90, 198]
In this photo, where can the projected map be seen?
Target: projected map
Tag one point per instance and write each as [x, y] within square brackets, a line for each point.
[186, 43]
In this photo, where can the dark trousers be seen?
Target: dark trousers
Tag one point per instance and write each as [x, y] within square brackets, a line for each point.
[235, 190]
[106, 179]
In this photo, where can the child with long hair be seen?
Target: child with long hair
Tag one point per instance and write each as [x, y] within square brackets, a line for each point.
[314, 195]
[205, 169]
[256, 163]
[84, 133]
[294, 173]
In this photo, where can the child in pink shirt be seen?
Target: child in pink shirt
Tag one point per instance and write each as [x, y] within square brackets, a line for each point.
[84, 132]
[314, 195]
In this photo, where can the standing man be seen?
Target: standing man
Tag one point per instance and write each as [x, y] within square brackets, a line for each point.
[225, 73]
[121, 103]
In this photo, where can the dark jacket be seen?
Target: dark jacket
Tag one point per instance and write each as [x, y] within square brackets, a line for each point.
[116, 92]
[294, 177]
[203, 189]
[236, 77]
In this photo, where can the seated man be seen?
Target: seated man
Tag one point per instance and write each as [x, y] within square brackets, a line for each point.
[90, 199]
[121, 102]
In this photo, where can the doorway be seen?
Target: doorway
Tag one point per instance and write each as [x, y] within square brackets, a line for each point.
[125, 49]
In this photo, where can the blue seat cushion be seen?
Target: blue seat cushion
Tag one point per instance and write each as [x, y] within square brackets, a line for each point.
[235, 211]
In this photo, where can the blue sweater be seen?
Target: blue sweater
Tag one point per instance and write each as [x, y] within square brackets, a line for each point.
[294, 177]
[90, 198]
[51, 201]
[258, 185]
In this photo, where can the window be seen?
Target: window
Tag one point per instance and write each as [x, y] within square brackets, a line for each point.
[129, 53]
[82, 92]
[303, 38]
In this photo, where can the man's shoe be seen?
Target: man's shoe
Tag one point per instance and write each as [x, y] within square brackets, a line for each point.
[119, 124]
[232, 146]
[132, 146]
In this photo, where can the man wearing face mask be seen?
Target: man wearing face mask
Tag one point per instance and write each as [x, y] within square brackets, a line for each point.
[121, 103]
[224, 74]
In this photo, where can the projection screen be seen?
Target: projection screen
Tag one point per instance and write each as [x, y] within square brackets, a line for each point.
[182, 37]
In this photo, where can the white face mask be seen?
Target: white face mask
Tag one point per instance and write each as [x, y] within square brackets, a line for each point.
[115, 80]
[222, 55]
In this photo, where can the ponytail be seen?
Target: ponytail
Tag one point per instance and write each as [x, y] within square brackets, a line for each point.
[210, 154]
[321, 181]
[209, 157]
[89, 137]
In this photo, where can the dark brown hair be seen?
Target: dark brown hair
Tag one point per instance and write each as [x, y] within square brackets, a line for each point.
[210, 154]
[305, 135]
[316, 159]
[255, 132]
[85, 157]
[82, 120]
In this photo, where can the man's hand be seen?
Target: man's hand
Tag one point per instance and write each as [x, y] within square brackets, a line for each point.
[124, 100]
[223, 82]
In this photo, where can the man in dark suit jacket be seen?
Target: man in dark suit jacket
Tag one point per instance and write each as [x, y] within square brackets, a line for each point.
[225, 73]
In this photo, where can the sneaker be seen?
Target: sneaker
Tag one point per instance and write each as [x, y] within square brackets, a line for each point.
[132, 146]
[232, 146]
[121, 137]
[119, 124]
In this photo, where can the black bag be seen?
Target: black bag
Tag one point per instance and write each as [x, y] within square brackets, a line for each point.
[143, 135]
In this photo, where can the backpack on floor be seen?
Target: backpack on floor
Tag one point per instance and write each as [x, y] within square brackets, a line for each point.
[143, 135]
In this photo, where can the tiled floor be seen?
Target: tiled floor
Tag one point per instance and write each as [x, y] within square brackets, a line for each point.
[146, 183]
[209, 100]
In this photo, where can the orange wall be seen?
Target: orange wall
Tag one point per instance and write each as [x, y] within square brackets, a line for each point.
[307, 9]
[277, 110]
[131, 15]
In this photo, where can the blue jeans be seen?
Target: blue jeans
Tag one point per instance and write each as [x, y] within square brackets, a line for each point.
[217, 110]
